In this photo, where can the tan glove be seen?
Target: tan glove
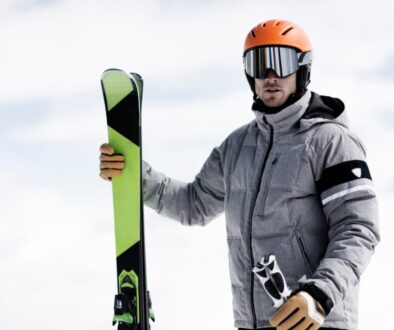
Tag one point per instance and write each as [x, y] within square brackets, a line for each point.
[300, 312]
[111, 164]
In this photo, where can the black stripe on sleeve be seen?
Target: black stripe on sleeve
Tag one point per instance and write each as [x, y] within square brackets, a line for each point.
[341, 173]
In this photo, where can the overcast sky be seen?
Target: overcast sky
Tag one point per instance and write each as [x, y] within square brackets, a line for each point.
[57, 250]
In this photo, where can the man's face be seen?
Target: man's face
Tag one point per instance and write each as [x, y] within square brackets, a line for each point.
[274, 91]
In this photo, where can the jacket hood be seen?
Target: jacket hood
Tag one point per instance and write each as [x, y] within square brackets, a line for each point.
[309, 110]
[324, 109]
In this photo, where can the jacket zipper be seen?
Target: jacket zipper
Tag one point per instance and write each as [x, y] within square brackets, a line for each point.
[271, 171]
[251, 220]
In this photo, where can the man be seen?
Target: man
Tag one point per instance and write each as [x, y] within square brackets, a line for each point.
[293, 182]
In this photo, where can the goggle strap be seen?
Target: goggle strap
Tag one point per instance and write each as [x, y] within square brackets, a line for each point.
[304, 58]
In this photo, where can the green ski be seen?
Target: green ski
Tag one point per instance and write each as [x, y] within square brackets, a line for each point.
[123, 98]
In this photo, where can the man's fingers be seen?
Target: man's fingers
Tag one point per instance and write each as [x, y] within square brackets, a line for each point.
[315, 326]
[112, 158]
[295, 321]
[289, 320]
[107, 149]
[107, 174]
[104, 177]
[295, 314]
[284, 311]
[290, 311]
[111, 165]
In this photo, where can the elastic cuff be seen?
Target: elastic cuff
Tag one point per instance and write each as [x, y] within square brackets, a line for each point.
[317, 294]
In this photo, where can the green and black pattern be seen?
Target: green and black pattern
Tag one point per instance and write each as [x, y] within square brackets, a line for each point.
[123, 96]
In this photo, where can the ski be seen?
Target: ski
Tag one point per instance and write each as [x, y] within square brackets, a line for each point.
[123, 99]
[272, 279]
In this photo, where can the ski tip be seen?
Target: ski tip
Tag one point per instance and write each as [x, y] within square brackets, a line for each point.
[134, 75]
[112, 70]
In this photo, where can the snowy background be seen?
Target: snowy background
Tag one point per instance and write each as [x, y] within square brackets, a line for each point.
[57, 253]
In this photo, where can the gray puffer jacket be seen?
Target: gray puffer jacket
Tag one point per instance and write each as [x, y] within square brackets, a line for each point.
[295, 184]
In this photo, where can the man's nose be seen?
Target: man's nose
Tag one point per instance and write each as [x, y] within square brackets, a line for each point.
[271, 74]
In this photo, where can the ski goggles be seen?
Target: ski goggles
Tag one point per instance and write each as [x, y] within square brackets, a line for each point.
[283, 60]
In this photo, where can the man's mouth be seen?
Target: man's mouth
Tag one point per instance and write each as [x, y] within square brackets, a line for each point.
[271, 90]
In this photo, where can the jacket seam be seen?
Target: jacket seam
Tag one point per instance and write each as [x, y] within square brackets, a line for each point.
[317, 151]
[238, 189]
[234, 160]
[271, 236]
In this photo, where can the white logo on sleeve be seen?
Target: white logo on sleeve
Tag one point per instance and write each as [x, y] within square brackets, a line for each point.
[357, 172]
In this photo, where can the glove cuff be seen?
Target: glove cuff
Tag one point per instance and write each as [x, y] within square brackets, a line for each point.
[317, 294]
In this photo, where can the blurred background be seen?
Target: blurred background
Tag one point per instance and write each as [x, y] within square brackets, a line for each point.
[57, 250]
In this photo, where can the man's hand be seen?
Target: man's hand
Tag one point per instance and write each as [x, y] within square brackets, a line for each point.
[300, 312]
[110, 164]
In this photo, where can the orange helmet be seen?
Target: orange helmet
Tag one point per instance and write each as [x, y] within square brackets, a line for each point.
[281, 46]
[278, 33]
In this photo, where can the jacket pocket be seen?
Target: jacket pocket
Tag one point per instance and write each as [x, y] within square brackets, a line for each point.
[304, 253]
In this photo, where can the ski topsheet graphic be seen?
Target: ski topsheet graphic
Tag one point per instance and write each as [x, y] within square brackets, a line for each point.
[272, 279]
[123, 97]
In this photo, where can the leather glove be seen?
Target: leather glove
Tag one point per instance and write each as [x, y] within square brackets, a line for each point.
[300, 312]
[111, 164]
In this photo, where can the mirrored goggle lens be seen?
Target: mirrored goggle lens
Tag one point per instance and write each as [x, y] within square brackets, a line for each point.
[282, 60]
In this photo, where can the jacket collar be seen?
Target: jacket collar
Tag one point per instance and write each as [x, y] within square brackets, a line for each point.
[286, 118]
[324, 109]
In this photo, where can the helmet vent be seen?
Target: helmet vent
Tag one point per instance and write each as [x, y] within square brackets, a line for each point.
[287, 31]
[253, 34]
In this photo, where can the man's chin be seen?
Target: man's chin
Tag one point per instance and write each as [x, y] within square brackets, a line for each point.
[273, 99]
[273, 103]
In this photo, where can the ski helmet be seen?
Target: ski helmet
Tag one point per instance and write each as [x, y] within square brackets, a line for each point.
[281, 46]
